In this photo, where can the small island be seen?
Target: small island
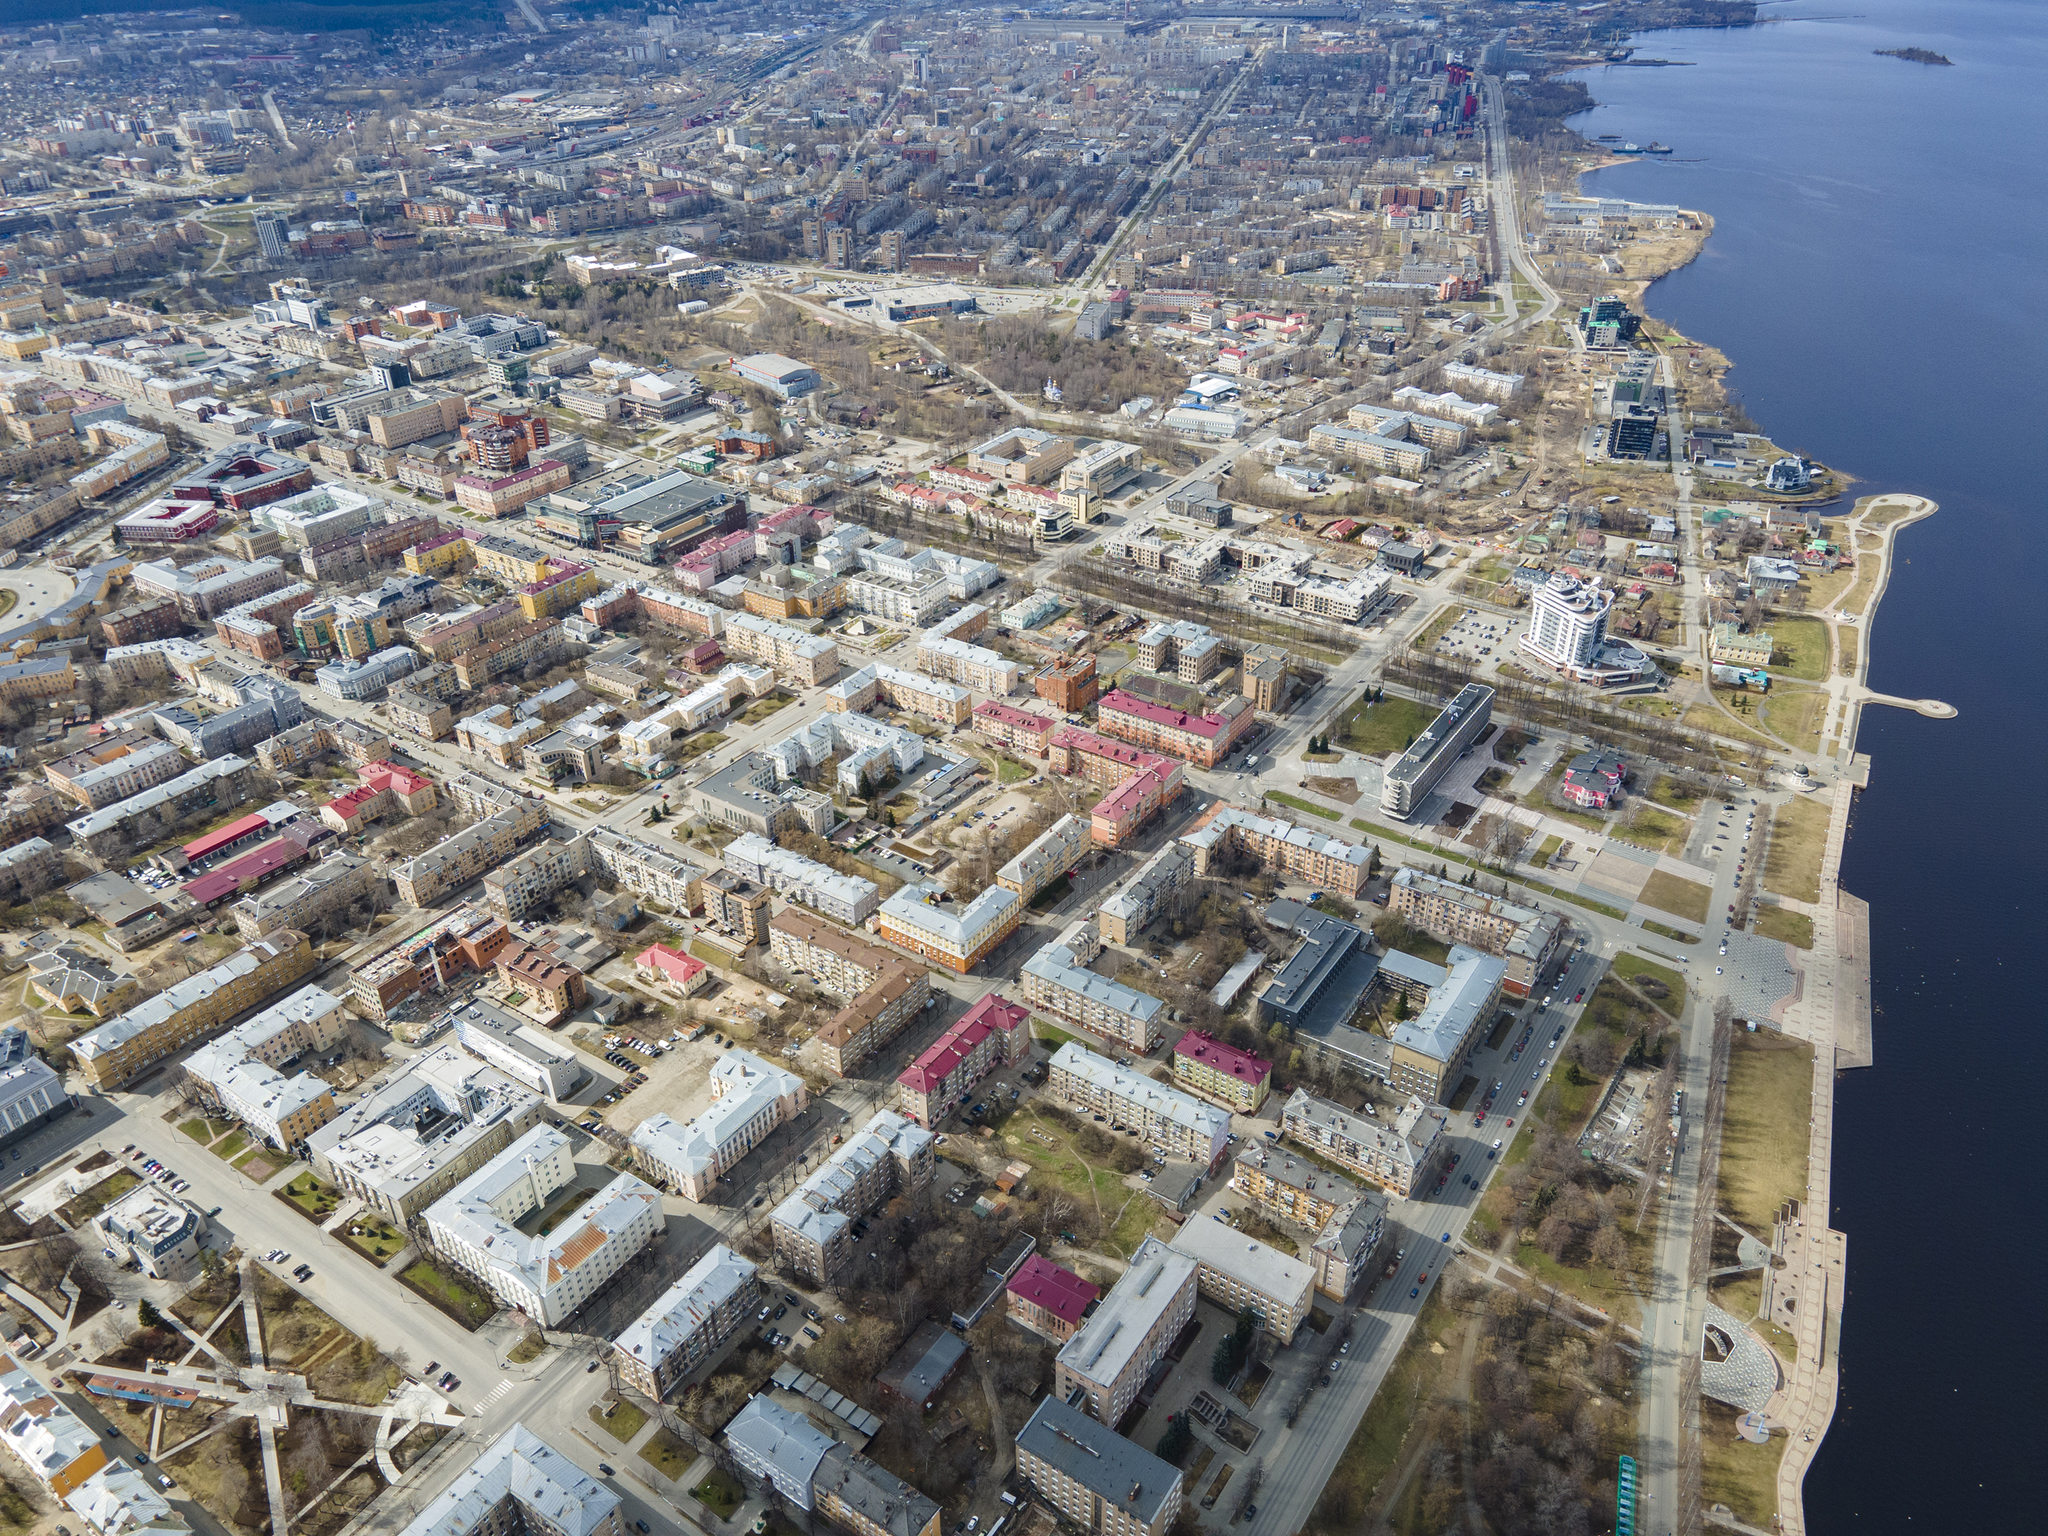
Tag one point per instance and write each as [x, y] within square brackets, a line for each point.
[1914, 55]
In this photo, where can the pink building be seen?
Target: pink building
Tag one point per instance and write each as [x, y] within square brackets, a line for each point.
[168, 522]
[1202, 739]
[1050, 1301]
[993, 1033]
[1009, 726]
[683, 972]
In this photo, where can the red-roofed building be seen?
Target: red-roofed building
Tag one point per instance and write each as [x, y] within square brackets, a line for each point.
[1050, 1301]
[1220, 1073]
[414, 791]
[383, 785]
[1202, 739]
[222, 839]
[993, 1033]
[1008, 726]
[239, 876]
[1139, 782]
[683, 972]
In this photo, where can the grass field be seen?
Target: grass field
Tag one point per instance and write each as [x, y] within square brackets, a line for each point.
[1799, 832]
[1127, 1217]
[761, 709]
[1799, 648]
[1630, 967]
[377, 1240]
[1784, 925]
[1678, 896]
[667, 1454]
[1668, 792]
[1736, 1473]
[450, 1292]
[1391, 725]
[1659, 831]
[85, 1205]
[317, 1199]
[1009, 771]
[1702, 718]
[1595, 1287]
[1438, 626]
[1417, 1376]
[1651, 925]
[720, 1494]
[1740, 1296]
[1794, 715]
[1541, 857]
[1303, 805]
[623, 1422]
[1764, 1134]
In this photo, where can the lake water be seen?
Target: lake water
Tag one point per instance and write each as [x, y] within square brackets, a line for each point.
[1878, 276]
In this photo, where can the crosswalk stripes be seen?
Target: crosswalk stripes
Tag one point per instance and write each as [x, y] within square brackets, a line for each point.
[497, 1392]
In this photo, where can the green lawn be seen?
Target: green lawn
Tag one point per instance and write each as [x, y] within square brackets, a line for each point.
[1651, 925]
[1798, 834]
[229, 1146]
[309, 1194]
[720, 1493]
[455, 1296]
[1096, 1187]
[1009, 772]
[529, 1348]
[1658, 831]
[374, 1238]
[682, 752]
[1542, 856]
[622, 1423]
[1053, 1035]
[1596, 1287]
[1666, 791]
[1680, 897]
[205, 1131]
[88, 1203]
[1735, 1472]
[1785, 925]
[1302, 805]
[667, 1454]
[1799, 648]
[1391, 725]
[1629, 967]
[1765, 1131]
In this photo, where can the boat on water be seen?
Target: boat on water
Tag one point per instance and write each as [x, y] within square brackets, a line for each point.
[1654, 148]
[1651, 148]
[1610, 138]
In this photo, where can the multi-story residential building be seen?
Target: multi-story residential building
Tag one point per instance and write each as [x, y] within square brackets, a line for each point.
[426, 958]
[517, 887]
[1384, 447]
[552, 1275]
[929, 923]
[1462, 722]
[1431, 1049]
[279, 1110]
[31, 1093]
[994, 1033]
[1526, 938]
[849, 898]
[688, 1324]
[1190, 649]
[650, 873]
[210, 587]
[123, 764]
[1482, 381]
[50, 1441]
[110, 831]
[914, 600]
[439, 1117]
[1096, 1479]
[1299, 853]
[512, 819]
[813, 1228]
[1202, 739]
[190, 1010]
[1165, 1119]
[971, 666]
[1345, 1222]
[1237, 1272]
[1220, 1073]
[1049, 857]
[1052, 1302]
[1056, 980]
[782, 1450]
[518, 1048]
[520, 1486]
[749, 1100]
[912, 692]
[1008, 726]
[1022, 453]
[737, 905]
[778, 1448]
[1398, 1153]
[1567, 622]
[1115, 1351]
[536, 640]
[868, 750]
[1067, 682]
[883, 991]
[155, 619]
[1123, 916]
[1434, 432]
[304, 900]
[810, 659]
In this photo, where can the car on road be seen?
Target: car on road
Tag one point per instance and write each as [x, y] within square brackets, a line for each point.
[1493, 1154]
[1414, 1291]
[303, 1273]
[589, 1368]
[606, 1468]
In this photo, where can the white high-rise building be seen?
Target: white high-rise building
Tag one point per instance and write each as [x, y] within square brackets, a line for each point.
[1567, 622]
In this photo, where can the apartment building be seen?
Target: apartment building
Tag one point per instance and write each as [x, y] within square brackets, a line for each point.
[992, 1034]
[1098, 1481]
[1165, 1119]
[438, 1117]
[849, 898]
[1236, 1272]
[49, 1440]
[971, 666]
[426, 958]
[688, 1324]
[1008, 726]
[1126, 914]
[1067, 683]
[1222, 1074]
[1525, 938]
[931, 924]
[914, 600]
[1433, 431]
[1385, 447]
[810, 659]
[749, 1100]
[1057, 981]
[1431, 1049]
[1300, 853]
[123, 764]
[1114, 1352]
[532, 641]
[278, 1110]
[552, 1275]
[911, 692]
[736, 905]
[119, 1050]
[1201, 739]
[520, 1486]
[813, 1228]
[1052, 1302]
[782, 1450]
[1344, 1221]
[883, 991]
[1399, 1153]
[1190, 649]
[1462, 721]
[1051, 854]
[508, 820]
